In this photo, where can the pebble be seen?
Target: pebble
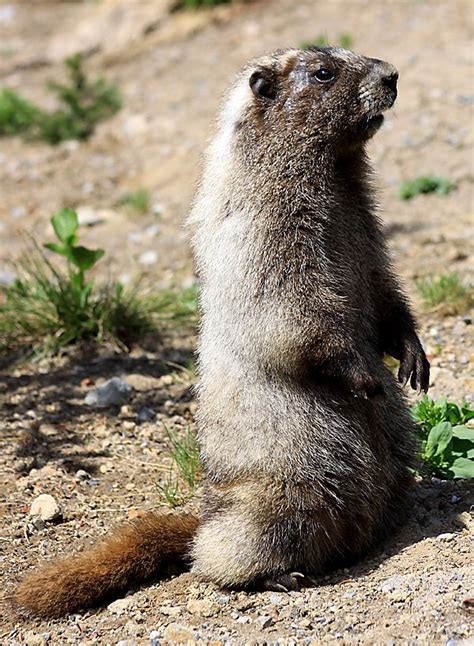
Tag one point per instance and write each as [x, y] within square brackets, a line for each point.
[87, 216]
[392, 584]
[223, 599]
[265, 621]
[202, 607]
[46, 507]
[243, 619]
[145, 414]
[36, 525]
[6, 277]
[446, 537]
[119, 605]
[154, 638]
[178, 633]
[114, 392]
[148, 258]
[82, 475]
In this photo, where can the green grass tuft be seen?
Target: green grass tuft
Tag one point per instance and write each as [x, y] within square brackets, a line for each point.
[345, 41]
[185, 472]
[425, 184]
[138, 201]
[47, 308]
[83, 104]
[445, 293]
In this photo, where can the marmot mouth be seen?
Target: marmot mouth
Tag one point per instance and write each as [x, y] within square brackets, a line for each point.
[369, 125]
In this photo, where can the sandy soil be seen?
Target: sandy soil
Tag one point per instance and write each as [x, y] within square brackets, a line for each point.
[173, 69]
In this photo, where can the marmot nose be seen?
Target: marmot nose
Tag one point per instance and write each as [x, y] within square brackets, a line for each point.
[390, 80]
[388, 75]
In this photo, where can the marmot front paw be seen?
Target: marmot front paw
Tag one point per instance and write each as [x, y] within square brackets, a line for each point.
[413, 362]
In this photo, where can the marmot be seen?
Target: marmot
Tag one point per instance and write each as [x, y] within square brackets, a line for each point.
[305, 437]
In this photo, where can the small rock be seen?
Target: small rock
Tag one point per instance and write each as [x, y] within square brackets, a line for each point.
[145, 414]
[222, 599]
[36, 525]
[82, 475]
[446, 537]
[148, 258]
[114, 392]
[46, 507]
[392, 584]
[154, 638]
[265, 621]
[17, 212]
[243, 619]
[171, 611]
[202, 607]
[6, 277]
[178, 633]
[87, 216]
[119, 605]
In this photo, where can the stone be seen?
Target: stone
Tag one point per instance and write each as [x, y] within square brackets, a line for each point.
[82, 475]
[446, 537]
[46, 507]
[148, 258]
[119, 605]
[392, 584]
[114, 392]
[201, 607]
[37, 525]
[178, 633]
[145, 414]
[171, 611]
[265, 621]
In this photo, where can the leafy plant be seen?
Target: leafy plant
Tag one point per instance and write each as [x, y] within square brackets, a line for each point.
[46, 308]
[425, 184]
[84, 104]
[345, 41]
[446, 292]
[138, 200]
[17, 115]
[185, 471]
[446, 441]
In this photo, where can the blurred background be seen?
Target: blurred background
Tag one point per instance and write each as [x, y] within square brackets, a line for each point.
[133, 179]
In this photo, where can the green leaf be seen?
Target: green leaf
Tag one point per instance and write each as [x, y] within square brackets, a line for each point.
[464, 433]
[57, 248]
[468, 413]
[65, 225]
[438, 440]
[85, 258]
[462, 468]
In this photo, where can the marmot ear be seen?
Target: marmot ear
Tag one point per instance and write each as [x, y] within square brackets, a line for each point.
[264, 84]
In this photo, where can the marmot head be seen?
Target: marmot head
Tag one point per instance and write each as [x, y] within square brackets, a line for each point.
[327, 97]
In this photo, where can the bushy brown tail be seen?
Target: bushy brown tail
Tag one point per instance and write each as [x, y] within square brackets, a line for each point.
[133, 554]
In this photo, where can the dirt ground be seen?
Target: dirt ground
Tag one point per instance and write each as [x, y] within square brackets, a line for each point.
[172, 69]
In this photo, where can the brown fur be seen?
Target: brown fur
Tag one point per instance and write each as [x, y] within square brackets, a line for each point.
[132, 554]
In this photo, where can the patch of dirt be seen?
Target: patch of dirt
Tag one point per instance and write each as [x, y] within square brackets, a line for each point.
[172, 70]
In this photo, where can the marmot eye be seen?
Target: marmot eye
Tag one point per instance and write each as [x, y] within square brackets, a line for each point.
[323, 75]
